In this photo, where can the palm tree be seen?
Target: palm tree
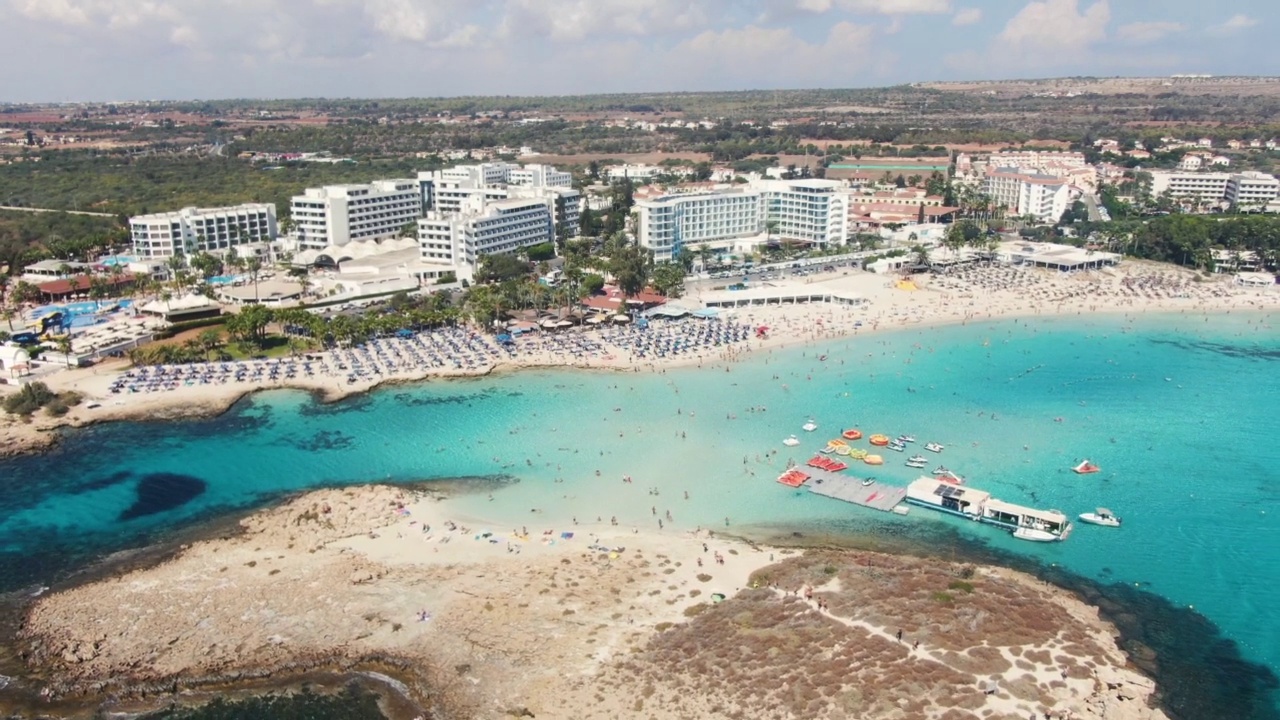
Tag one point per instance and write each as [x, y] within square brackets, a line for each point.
[64, 346]
[209, 340]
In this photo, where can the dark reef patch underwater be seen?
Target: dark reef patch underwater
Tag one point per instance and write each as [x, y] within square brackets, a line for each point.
[159, 492]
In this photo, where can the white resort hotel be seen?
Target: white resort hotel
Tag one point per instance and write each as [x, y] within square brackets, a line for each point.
[740, 218]
[192, 230]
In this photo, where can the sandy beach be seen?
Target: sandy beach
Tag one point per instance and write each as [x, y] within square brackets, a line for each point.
[971, 295]
[610, 621]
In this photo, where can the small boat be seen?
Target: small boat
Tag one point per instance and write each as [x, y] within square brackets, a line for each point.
[1035, 535]
[916, 465]
[809, 426]
[1086, 468]
[791, 441]
[873, 460]
[897, 446]
[941, 470]
[868, 482]
[878, 439]
[934, 447]
[917, 459]
[951, 478]
[906, 438]
[852, 434]
[1101, 516]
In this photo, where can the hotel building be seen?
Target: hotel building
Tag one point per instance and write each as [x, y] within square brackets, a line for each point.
[1252, 190]
[1203, 186]
[484, 227]
[448, 191]
[193, 230]
[810, 211]
[335, 215]
[1043, 197]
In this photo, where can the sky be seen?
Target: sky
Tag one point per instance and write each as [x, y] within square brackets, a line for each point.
[94, 50]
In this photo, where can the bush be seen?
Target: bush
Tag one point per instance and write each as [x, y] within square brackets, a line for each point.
[56, 408]
[30, 398]
[961, 585]
[943, 597]
[447, 278]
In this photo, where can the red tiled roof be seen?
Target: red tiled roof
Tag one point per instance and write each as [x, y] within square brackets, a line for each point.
[63, 286]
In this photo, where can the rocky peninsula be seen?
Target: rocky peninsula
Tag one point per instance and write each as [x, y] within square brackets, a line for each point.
[588, 622]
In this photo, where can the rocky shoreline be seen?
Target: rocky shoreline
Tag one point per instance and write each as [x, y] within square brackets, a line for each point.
[347, 581]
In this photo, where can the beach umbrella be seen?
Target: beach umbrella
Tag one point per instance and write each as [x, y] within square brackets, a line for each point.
[621, 318]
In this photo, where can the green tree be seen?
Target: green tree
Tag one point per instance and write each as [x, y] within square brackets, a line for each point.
[630, 267]
[668, 278]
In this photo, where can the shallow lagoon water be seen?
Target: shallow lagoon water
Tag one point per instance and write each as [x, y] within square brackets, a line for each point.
[1178, 411]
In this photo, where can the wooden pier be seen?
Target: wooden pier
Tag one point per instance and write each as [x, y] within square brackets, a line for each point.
[848, 488]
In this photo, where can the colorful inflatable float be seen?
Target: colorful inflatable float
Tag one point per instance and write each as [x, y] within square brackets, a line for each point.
[879, 440]
[852, 434]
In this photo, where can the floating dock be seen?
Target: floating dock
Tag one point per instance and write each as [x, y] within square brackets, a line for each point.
[877, 496]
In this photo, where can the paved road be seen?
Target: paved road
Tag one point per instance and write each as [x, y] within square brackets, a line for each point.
[50, 210]
[1091, 204]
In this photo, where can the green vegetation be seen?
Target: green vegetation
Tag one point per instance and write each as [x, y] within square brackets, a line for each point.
[961, 585]
[35, 395]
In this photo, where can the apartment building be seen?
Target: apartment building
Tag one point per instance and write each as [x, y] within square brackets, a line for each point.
[1024, 193]
[666, 223]
[192, 230]
[1202, 186]
[335, 215]
[812, 211]
[448, 191]
[484, 227]
[1251, 190]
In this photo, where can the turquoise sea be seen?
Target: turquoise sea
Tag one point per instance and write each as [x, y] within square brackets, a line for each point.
[1180, 411]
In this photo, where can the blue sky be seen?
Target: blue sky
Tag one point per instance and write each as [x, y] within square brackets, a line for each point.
[68, 50]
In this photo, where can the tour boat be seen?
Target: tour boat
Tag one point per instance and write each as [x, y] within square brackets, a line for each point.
[791, 441]
[809, 426]
[1101, 516]
[933, 447]
[1086, 468]
[1035, 535]
[852, 434]
[906, 438]
[879, 439]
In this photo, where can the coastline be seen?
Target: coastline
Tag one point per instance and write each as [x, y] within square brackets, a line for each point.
[937, 301]
[338, 579]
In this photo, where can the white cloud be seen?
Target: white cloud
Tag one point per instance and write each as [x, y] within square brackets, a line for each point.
[1144, 32]
[876, 7]
[577, 20]
[1234, 24]
[966, 16]
[769, 57]
[1056, 25]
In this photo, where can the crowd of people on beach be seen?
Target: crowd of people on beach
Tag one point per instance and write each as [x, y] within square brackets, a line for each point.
[448, 349]
[1043, 286]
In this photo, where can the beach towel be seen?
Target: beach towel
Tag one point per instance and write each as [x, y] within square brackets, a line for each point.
[566, 536]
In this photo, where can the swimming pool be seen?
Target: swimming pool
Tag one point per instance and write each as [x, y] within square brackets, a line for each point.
[113, 260]
[223, 279]
[83, 313]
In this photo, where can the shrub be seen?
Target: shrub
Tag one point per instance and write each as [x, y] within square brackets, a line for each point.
[943, 597]
[56, 408]
[961, 585]
[31, 397]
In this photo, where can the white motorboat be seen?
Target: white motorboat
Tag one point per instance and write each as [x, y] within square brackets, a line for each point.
[1034, 535]
[791, 441]
[868, 482]
[934, 447]
[941, 470]
[809, 426]
[907, 438]
[1101, 516]
[899, 447]
[917, 464]
[917, 459]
